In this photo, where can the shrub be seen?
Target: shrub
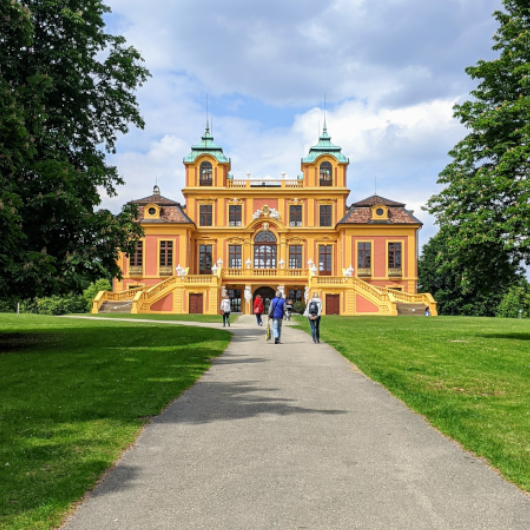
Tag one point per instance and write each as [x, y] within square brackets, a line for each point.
[8, 306]
[93, 289]
[55, 305]
[515, 300]
[299, 306]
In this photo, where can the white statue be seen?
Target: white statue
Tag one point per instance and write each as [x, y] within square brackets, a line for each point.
[257, 214]
[273, 212]
[223, 292]
[306, 294]
[248, 293]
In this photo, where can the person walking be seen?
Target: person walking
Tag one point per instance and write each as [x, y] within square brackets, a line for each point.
[225, 309]
[313, 311]
[288, 309]
[258, 309]
[276, 310]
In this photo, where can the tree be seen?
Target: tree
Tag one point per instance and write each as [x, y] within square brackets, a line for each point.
[484, 207]
[67, 89]
[438, 276]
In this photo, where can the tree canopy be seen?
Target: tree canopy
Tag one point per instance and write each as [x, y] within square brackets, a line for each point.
[67, 89]
[484, 206]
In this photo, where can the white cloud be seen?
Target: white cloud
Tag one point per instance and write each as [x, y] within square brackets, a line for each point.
[391, 69]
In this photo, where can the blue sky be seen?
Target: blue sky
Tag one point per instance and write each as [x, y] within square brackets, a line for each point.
[391, 71]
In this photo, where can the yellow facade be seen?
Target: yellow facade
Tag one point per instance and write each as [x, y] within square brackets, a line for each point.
[296, 235]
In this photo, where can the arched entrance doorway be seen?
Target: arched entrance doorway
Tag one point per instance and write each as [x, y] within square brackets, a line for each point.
[267, 293]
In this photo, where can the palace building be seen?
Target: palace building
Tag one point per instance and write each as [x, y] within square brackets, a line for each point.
[243, 237]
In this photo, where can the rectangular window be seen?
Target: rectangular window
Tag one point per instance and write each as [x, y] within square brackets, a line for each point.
[234, 215]
[166, 254]
[324, 260]
[205, 214]
[205, 259]
[325, 215]
[137, 258]
[234, 256]
[394, 255]
[295, 215]
[364, 255]
[295, 256]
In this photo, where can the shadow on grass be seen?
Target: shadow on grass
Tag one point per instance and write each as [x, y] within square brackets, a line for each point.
[507, 336]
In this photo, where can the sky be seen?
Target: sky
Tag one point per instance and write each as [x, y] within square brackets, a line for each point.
[390, 72]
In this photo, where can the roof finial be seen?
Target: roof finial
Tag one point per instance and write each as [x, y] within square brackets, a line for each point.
[156, 189]
[325, 126]
[207, 116]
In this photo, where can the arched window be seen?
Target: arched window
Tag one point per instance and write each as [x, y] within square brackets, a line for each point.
[265, 250]
[205, 174]
[326, 174]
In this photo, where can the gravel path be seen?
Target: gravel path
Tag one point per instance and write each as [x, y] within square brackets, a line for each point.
[293, 437]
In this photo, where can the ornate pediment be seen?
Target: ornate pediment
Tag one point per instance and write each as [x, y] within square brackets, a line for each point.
[265, 211]
[295, 239]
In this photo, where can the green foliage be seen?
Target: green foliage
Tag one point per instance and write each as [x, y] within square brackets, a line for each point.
[484, 204]
[467, 376]
[516, 302]
[440, 277]
[93, 289]
[299, 306]
[66, 92]
[56, 305]
[74, 394]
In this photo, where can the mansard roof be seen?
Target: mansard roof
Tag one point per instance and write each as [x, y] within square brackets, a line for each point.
[171, 211]
[361, 213]
[325, 147]
[207, 146]
[376, 200]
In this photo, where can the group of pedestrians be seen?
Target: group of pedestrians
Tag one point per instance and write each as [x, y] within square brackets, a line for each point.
[281, 309]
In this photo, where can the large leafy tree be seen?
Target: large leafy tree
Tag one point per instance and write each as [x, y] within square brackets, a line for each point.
[484, 208]
[67, 89]
[443, 280]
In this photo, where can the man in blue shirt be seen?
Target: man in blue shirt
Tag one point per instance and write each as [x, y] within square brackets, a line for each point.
[276, 310]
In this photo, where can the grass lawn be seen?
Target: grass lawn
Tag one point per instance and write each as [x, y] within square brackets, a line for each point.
[74, 394]
[184, 318]
[470, 377]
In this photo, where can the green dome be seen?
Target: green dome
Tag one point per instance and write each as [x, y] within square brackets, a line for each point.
[207, 146]
[324, 147]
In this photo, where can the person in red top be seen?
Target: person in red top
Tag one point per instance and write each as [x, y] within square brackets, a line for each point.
[258, 309]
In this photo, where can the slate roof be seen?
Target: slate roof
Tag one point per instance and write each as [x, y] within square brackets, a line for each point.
[360, 213]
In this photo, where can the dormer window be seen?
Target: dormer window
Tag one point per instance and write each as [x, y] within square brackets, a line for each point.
[326, 174]
[205, 174]
[152, 211]
[379, 213]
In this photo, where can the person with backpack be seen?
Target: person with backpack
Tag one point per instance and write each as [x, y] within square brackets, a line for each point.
[313, 311]
[276, 310]
[225, 310]
[259, 309]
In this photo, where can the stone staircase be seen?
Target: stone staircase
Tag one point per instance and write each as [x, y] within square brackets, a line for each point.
[411, 310]
[116, 307]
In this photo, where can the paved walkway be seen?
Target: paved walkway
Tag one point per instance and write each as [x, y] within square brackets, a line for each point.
[293, 437]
